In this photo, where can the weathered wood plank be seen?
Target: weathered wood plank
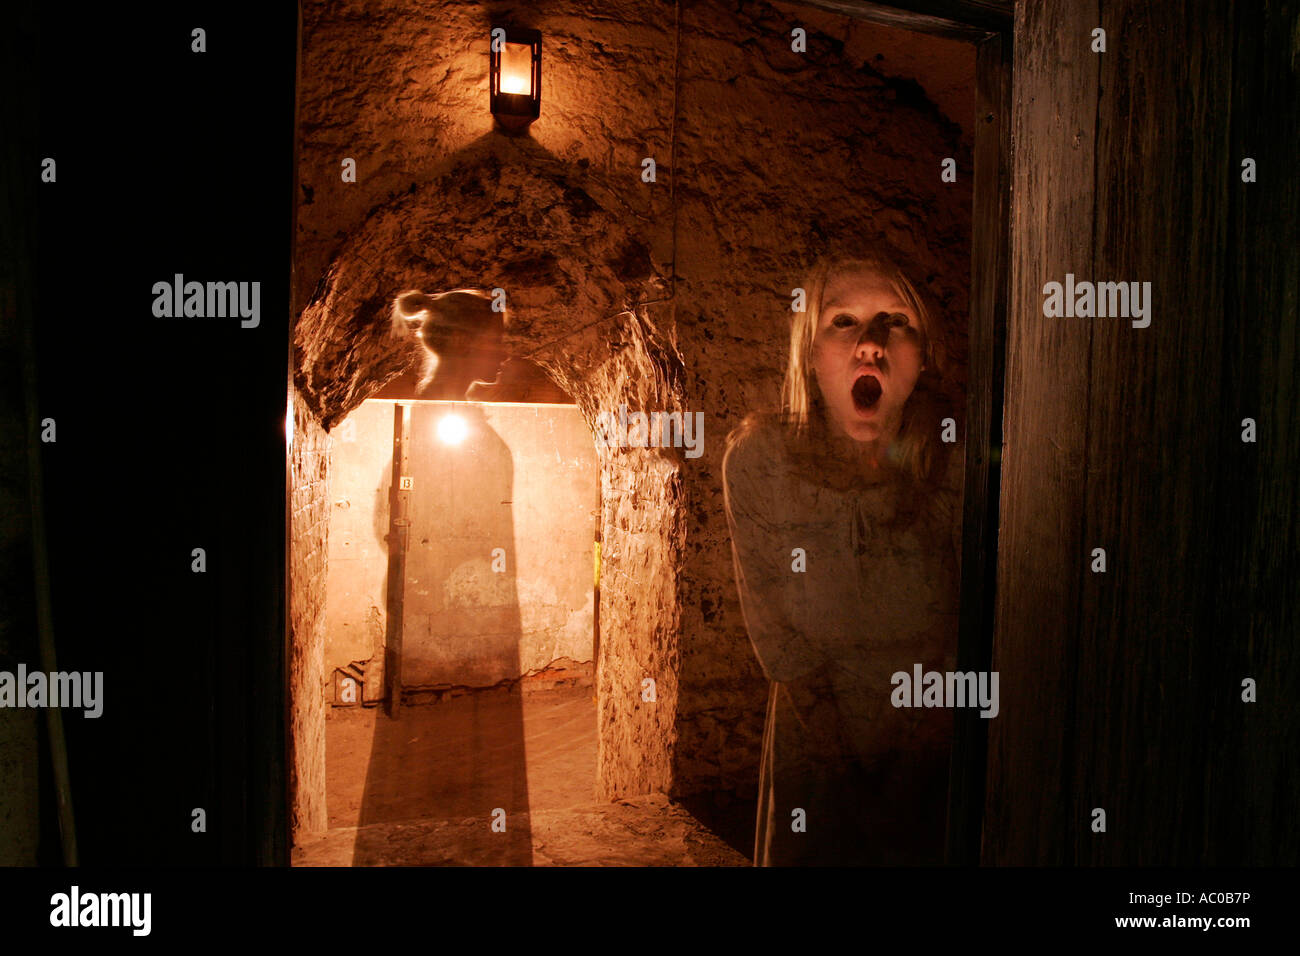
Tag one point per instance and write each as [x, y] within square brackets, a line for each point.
[1055, 90]
[987, 341]
[1154, 416]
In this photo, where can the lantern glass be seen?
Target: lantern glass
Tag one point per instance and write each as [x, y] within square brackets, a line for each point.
[517, 68]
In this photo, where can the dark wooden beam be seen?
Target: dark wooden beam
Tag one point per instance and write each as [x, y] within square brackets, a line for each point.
[1040, 550]
[398, 529]
[1141, 674]
[972, 20]
[985, 385]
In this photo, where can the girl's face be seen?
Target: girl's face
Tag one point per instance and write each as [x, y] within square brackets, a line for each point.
[867, 353]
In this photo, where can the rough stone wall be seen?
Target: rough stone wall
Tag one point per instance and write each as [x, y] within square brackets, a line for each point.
[356, 593]
[308, 541]
[671, 295]
[643, 533]
[402, 88]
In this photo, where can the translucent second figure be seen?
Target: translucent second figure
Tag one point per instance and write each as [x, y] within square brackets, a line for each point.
[844, 512]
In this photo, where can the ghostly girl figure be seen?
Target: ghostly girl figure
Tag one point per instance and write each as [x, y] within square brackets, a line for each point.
[844, 512]
[462, 337]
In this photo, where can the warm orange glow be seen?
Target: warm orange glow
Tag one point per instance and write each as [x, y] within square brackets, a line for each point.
[452, 429]
[517, 68]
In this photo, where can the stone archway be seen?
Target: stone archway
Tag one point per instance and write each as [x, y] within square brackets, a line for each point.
[587, 303]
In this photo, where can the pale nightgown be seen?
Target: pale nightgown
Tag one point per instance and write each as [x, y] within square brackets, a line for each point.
[869, 779]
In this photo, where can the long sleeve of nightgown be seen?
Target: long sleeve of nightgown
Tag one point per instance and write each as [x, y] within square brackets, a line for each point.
[952, 501]
[757, 495]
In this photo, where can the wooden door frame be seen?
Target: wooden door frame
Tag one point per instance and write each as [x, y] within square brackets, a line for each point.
[988, 24]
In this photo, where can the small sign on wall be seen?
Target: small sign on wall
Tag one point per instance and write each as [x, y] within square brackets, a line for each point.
[406, 482]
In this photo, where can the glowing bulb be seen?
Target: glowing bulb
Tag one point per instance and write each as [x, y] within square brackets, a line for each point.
[517, 68]
[452, 429]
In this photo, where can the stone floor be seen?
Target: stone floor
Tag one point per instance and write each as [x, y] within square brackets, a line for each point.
[641, 831]
[498, 777]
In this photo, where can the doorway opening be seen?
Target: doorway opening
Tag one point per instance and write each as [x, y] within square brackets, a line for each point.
[622, 312]
[460, 615]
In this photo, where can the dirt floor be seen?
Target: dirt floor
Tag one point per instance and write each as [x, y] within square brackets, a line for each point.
[495, 777]
[462, 757]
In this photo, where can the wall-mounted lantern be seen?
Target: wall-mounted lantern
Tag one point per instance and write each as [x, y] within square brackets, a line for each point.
[516, 76]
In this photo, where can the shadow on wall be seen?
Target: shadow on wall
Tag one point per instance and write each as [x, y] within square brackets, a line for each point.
[461, 617]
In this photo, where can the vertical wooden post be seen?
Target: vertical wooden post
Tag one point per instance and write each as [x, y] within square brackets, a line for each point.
[1029, 817]
[399, 497]
[982, 486]
[19, 301]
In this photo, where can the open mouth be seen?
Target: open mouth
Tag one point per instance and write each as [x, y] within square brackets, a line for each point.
[866, 393]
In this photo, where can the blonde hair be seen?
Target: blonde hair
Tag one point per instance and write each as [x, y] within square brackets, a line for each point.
[918, 452]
